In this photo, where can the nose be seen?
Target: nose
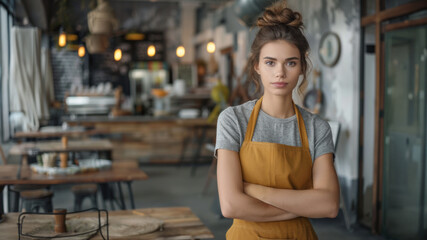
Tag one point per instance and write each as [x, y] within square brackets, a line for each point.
[280, 73]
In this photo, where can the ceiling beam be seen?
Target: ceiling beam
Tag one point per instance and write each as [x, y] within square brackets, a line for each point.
[36, 13]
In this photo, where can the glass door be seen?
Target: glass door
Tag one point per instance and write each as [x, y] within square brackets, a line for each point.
[404, 167]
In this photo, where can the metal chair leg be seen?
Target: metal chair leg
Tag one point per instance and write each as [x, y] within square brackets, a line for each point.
[132, 201]
[211, 174]
[103, 187]
[122, 201]
[200, 140]
[110, 191]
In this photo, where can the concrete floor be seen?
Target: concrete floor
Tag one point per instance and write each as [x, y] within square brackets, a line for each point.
[174, 186]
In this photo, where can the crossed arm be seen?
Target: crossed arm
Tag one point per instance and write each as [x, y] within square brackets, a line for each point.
[259, 203]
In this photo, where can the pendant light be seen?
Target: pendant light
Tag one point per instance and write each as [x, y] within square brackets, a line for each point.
[151, 51]
[210, 47]
[118, 54]
[62, 39]
[180, 51]
[81, 51]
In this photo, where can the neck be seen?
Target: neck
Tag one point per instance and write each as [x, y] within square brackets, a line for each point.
[278, 106]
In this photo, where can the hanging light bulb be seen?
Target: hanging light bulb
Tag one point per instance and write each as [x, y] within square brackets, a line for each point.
[180, 51]
[210, 47]
[151, 51]
[81, 51]
[118, 54]
[62, 40]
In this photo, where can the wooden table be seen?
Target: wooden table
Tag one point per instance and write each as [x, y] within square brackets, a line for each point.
[56, 146]
[121, 171]
[143, 138]
[58, 133]
[179, 223]
[84, 145]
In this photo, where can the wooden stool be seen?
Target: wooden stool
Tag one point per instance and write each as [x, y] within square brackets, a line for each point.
[34, 199]
[82, 191]
[15, 191]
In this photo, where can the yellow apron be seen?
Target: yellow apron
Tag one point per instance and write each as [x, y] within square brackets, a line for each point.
[279, 166]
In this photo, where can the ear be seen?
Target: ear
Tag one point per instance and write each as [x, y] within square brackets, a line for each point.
[256, 67]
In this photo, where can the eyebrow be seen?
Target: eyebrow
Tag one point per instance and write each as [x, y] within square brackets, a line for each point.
[287, 59]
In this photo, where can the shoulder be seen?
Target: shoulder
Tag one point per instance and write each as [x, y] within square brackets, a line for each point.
[237, 112]
[314, 120]
[247, 106]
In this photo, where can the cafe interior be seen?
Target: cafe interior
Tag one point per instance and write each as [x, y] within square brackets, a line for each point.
[109, 108]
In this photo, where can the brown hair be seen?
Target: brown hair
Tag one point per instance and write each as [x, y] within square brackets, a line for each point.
[279, 23]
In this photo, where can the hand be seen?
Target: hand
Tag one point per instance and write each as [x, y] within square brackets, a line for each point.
[254, 190]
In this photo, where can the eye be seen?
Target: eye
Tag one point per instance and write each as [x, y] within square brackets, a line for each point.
[269, 63]
[291, 64]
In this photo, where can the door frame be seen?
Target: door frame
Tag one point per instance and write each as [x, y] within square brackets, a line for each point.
[381, 14]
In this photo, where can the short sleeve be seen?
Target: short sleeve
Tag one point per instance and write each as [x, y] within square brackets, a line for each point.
[227, 131]
[323, 142]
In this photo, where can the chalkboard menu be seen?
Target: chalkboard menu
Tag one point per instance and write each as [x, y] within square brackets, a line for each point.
[139, 48]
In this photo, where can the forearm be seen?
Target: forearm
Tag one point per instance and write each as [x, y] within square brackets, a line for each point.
[234, 202]
[321, 201]
[313, 203]
[242, 206]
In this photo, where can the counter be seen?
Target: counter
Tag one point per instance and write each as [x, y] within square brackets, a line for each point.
[120, 119]
[152, 139]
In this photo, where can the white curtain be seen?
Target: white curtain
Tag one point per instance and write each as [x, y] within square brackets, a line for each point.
[28, 93]
[46, 69]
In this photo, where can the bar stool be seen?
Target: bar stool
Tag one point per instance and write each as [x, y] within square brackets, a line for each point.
[16, 190]
[32, 200]
[82, 191]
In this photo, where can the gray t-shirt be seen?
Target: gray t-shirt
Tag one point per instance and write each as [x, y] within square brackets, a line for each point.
[233, 121]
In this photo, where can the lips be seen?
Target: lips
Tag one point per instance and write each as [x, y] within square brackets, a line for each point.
[279, 84]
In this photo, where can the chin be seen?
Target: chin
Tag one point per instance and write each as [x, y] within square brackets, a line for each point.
[279, 93]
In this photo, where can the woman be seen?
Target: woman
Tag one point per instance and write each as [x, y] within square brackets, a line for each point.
[275, 160]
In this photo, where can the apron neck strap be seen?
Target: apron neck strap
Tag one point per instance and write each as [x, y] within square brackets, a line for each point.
[254, 116]
[301, 127]
[252, 121]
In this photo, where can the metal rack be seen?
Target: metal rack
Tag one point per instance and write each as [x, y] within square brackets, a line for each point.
[98, 229]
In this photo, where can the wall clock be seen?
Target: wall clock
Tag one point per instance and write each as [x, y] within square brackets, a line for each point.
[329, 49]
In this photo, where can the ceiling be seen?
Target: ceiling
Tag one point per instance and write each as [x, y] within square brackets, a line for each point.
[144, 15]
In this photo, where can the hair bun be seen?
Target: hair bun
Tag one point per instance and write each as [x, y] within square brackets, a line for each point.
[279, 14]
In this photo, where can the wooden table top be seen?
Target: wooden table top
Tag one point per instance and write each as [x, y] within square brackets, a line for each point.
[196, 122]
[120, 171]
[59, 133]
[179, 223]
[56, 146]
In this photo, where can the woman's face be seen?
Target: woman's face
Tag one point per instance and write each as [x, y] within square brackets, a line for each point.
[279, 66]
